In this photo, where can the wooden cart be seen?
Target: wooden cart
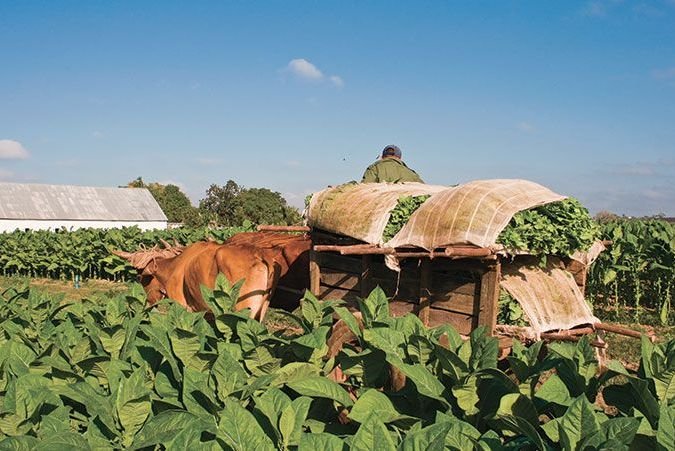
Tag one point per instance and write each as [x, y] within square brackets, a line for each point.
[456, 285]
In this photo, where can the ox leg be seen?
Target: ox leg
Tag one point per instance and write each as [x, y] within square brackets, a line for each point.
[255, 293]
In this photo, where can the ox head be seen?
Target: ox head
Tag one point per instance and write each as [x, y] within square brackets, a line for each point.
[147, 263]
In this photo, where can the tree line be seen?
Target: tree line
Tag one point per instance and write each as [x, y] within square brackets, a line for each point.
[228, 205]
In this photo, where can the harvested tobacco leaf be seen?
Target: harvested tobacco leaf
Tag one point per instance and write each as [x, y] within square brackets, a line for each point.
[405, 207]
[558, 228]
[510, 312]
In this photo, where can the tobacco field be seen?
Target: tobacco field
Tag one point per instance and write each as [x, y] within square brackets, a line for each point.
[637, 272]
[114, 374]
[86, 253]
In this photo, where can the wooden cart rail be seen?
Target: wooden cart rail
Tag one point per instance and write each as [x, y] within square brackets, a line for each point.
[373, 249]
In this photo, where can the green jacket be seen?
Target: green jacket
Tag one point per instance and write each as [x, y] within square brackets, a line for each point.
[390, 170]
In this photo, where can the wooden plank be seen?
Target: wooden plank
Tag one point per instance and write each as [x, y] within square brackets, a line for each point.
[326, 292]
[459, 303]
[401, 308]
[366, 276]
[447, 285]
[339, 262]
[464, 265]
[489, 298]
[464, 324]
[339, 279]
[314, 273]
[425, 291]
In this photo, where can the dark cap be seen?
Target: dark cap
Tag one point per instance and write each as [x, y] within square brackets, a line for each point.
[391, 151]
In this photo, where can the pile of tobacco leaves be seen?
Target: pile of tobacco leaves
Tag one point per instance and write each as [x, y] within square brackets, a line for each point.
[559, 228]
[405, 207]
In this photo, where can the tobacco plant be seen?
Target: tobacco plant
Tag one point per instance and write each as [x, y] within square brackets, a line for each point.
[112, 374]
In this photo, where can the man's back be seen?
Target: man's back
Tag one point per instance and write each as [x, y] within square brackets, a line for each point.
[391, 170]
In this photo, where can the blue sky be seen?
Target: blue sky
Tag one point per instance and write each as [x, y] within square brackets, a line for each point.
[295, 96]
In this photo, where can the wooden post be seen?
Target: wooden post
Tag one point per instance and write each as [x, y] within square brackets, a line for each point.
[425, 291]
[489, 297]
[314, 273]
[365, 280]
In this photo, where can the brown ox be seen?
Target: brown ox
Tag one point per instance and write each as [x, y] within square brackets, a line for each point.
[263, 259]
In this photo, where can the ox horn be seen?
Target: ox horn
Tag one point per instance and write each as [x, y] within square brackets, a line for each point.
[123, 254]
[166, 245]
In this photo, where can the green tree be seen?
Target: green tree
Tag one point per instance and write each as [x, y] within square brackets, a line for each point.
[222, 205]
[231, 205]
[173, 202]
[263, 206]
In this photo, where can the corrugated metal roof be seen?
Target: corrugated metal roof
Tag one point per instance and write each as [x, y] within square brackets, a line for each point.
[49, 202]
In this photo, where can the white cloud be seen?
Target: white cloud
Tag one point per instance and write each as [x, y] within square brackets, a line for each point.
[12, 150]
[526, 127]
[337, 81]
[96, 134]
[292, 164]
[304, 69]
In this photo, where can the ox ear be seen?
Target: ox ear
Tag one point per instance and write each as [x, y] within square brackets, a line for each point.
[151, 268]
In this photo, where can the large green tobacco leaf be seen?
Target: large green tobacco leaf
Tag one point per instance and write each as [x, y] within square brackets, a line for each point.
[271, 404]
[292, 419]
[579, 423]
[425, 382]
[665, 434]
[20, 443]
[665, 387]
[373, 401]
[616, 433]
[239, 429]
[112, 339]
[158, 340]
[634, 395]
[375, 307]
[295, 371]
[198, 397]
[165, 427]
[228, 374]
[61, 441]
[320, 387]
[554, 391]
[372, 434]
[321, 441]
[522, 427]
[132, 405]
[461, 436]
[431, 438]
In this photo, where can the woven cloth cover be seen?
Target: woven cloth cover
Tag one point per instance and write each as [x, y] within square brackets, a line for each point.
[361, 210]
[549, 296]
[472, 213]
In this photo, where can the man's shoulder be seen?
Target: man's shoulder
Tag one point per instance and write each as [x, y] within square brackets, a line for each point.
[375, 164]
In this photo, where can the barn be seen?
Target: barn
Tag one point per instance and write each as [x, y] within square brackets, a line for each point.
[49, 207]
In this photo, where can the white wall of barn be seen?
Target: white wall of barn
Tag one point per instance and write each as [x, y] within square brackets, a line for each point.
[10, 225]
